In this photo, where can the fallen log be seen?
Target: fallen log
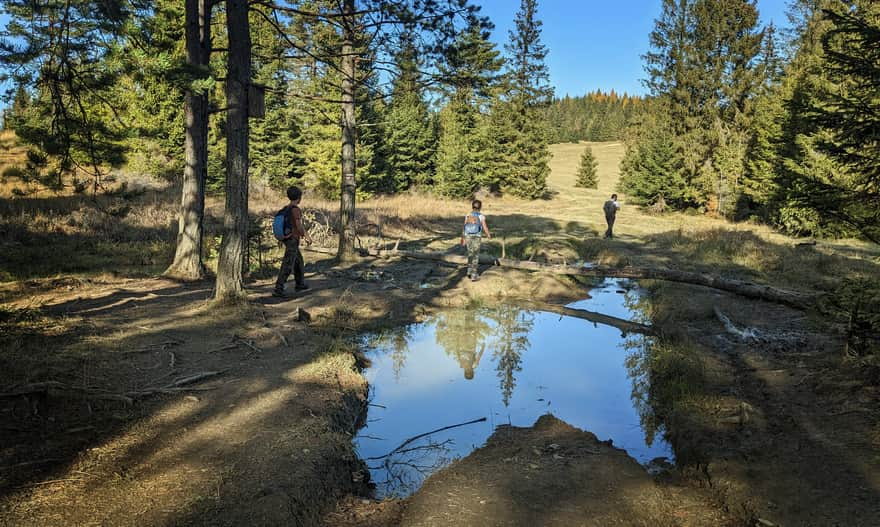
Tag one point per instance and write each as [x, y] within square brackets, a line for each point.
[740, 287]
[55, 388]
[625, 326]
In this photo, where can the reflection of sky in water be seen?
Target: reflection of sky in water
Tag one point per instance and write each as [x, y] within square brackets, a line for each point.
[567, 366]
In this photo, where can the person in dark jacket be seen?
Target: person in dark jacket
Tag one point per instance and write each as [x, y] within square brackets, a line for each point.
[611, 207]
[293, 260]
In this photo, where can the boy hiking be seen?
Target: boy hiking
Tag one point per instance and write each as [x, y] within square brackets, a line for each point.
[292, 233]
[471, 236]
[611, 207]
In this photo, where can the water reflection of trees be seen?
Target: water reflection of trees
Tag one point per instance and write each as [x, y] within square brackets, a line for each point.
[465, 334]
[397, 342]
[462, 334]
[637, 364]
[638, 361]
[510, 341]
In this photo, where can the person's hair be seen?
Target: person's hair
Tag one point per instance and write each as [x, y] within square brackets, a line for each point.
[476, 204]
[614, 196]
[294, 193]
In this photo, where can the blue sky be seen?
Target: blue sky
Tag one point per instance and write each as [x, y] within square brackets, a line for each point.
[597, 43]
[593, 43]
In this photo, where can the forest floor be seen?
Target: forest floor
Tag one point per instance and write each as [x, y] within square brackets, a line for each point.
[783, 429]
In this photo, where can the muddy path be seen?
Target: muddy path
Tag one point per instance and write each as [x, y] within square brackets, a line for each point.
[775, 430]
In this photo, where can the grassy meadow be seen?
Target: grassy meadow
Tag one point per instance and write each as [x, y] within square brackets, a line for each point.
[131, 229]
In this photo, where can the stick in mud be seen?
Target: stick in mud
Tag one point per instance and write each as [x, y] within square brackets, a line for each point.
[414, 438]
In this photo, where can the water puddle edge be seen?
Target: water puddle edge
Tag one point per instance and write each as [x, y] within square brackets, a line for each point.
[439, 388]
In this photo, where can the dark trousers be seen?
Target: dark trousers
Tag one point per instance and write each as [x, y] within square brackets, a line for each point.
[610, 221]
[292, 261]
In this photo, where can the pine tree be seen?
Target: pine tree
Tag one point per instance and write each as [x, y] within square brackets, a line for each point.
[847, 109]
[410, 140]
[66, 55]
[587, 177]
[522, 157]
[464, 149]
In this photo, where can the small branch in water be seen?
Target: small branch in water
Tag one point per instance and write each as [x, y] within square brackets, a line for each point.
[414, 438]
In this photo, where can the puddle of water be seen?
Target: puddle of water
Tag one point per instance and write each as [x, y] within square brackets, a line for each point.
[510, 366]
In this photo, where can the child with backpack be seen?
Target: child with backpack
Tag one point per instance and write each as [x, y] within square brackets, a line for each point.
[471, 236]
[288, 228]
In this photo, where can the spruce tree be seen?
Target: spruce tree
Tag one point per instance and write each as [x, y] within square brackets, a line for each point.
[410, 140]
[587, 177]
[465, 150]
[801, 166]
[521, 161]
[276, 138]
[847, 109]
[704, 71]
[649, 168]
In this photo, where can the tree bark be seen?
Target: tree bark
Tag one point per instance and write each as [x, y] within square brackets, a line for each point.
[230, 286]
[349, 134]
[747, 289]
[187, 264]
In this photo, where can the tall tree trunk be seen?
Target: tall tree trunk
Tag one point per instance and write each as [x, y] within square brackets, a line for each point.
[235, 218]
[187, 264]
[349, 132]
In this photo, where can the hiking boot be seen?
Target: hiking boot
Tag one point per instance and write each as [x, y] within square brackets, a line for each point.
[279, 293]
[474, 278]
[301, 287]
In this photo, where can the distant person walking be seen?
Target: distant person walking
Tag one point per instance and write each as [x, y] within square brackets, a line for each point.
[471, 236]
[289, 223]
[611, 207]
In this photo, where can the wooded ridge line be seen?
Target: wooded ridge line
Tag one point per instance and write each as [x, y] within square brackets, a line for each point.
[768, 293]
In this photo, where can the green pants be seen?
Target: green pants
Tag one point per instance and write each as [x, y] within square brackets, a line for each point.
[473, 249]
[292, 261]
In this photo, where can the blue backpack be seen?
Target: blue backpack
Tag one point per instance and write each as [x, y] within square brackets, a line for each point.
[473, 224]
[281, 227]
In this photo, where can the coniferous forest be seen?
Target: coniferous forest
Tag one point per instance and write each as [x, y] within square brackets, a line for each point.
[748, 123]
[741, 121]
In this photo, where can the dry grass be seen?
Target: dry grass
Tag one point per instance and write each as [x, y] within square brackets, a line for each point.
[568, 228]
[45, 234]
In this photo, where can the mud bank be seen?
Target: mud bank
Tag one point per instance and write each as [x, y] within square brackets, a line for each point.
[547, 474]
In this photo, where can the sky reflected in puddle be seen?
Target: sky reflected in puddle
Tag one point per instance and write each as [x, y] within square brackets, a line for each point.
[510, 366]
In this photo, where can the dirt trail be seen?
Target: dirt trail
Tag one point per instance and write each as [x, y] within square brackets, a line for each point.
[267, 442]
